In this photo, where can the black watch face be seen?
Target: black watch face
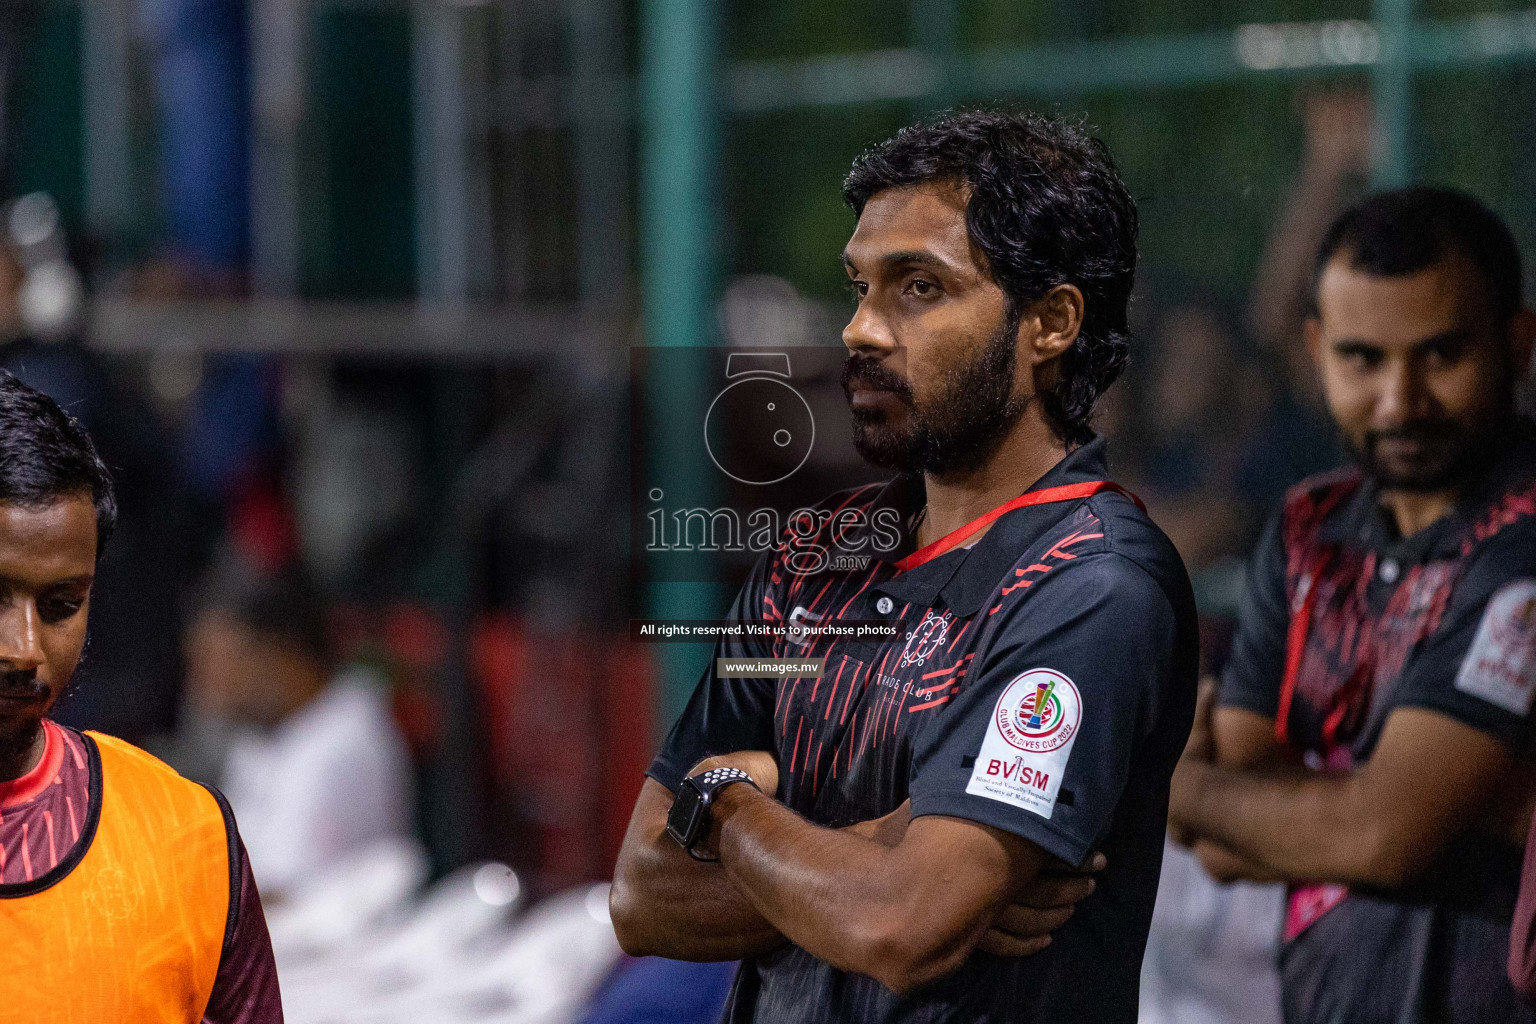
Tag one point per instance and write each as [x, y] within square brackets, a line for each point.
[683, 819]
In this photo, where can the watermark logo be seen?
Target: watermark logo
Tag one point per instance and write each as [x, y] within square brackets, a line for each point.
[759, 430]
[735, 453]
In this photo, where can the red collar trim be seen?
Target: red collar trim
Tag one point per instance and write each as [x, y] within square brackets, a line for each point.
[1067, 492]
[30, 785]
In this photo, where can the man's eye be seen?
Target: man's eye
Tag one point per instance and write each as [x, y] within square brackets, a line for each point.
[857, 290]
[58, 609]
[1442, 355]
[923, 288]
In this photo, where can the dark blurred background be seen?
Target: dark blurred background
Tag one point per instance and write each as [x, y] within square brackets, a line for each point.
[348, 288]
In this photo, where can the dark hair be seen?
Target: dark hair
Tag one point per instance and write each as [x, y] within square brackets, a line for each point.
[282, 605]
[1390, 234]
[46, 455]
[1045, 207]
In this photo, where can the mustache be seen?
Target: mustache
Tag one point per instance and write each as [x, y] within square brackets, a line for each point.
[22, 683]
[872, 374]
[1417, 430]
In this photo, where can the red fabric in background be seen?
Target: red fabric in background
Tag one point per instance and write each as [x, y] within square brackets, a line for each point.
[568, 719]
[1522, 932]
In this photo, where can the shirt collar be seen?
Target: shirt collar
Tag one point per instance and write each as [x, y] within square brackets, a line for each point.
[966, 577]
[1362, 522]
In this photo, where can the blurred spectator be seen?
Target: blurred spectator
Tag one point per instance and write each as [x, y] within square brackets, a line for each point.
[318, 768]
[1194, 403]
[201, 58]
[1213, 947]
[1296, 438]
[1335, 166]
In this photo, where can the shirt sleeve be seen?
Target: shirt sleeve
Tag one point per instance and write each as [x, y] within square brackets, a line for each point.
[1040, 740]
[1479, 666]
[245, 988]
[726, 715]
[1251, 679]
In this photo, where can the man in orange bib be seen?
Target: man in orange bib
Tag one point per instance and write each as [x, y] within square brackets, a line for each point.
[124, 892]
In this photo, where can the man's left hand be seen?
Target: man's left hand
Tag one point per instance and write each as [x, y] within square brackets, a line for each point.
[1024, 927]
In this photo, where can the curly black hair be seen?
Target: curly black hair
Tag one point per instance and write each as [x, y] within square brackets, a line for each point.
[46, 455]
[1045, 207]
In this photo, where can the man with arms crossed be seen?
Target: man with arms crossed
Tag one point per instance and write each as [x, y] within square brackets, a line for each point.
[1372, 738]
[1040, 686]
[124, 891]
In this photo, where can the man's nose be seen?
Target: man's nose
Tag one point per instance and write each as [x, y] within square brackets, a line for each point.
[21, 637]
[1404, 394]
[867, 333]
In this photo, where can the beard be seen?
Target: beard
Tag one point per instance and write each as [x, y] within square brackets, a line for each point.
[1425, 455]
[954, 430]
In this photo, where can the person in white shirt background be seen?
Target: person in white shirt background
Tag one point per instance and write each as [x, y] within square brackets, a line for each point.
[316, 767]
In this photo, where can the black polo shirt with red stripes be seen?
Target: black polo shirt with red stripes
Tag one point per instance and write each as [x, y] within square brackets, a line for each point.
[1042, 682]
[1344, 621]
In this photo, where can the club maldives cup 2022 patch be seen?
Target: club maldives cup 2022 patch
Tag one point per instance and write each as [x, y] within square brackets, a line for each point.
[1500, 666]
[1029, 738]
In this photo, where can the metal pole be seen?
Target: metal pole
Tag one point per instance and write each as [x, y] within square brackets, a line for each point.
[106, 40]
[602, 165]
[678, 251]
[934, 30]
[440, 152]
[279, 45]
[1392, 87]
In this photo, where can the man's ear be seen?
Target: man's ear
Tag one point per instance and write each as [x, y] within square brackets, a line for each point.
[1522, 333]
[1057, 319]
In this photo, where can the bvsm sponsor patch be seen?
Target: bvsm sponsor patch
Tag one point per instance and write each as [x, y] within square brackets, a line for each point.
[1029, 738]
[1500, 666]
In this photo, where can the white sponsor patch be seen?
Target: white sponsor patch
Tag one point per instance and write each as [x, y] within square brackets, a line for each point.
[1500, 666]
[1024, 754]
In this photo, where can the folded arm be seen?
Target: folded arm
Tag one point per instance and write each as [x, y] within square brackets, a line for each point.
[1241, 740]
[1429, 778]
[905, 914]
[665, 903]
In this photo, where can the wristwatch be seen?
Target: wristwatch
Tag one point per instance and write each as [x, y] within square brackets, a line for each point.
[688, 821]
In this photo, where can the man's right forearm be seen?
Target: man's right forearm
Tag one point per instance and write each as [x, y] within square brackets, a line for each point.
[665, 903]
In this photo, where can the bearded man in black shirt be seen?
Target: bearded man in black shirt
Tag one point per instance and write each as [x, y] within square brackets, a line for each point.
[869, 840]
[1372, 742]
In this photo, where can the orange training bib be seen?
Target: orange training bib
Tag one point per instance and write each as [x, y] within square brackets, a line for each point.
[131, 931]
